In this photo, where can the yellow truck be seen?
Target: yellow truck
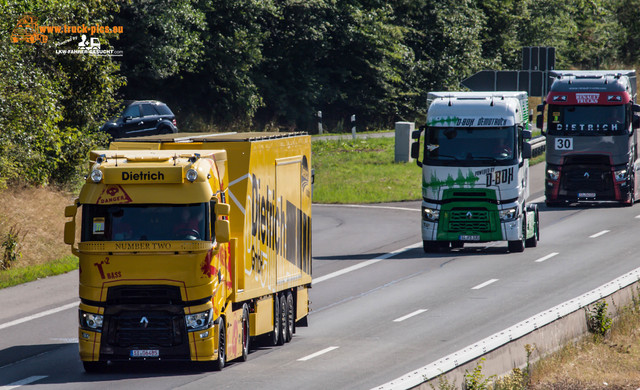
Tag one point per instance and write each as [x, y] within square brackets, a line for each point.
[190, 245]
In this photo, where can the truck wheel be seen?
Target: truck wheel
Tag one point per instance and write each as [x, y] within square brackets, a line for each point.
[275, 335]
[518, 245]
[246, 334]
[457, 244]
[291, 320]
[283, 320]
[218, 365]
[429, 246]
[533, 240]
[94, 367]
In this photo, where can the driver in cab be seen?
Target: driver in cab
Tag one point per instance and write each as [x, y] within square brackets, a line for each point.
[188, 228]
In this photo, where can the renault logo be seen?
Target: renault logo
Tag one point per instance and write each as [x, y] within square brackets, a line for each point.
[469, 215]
[144, 322]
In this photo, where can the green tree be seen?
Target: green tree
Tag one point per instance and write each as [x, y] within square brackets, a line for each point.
[50, 103]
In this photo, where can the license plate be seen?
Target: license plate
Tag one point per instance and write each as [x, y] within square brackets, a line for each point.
[469, 238]
[586, 194]
[145, 353]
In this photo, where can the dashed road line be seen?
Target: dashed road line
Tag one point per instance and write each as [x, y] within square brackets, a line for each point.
[547, 257]
[35, 316]
[599, 234]
[485, 284]
[415, 313]
[22, 382]
[364, 264]
[313, 355]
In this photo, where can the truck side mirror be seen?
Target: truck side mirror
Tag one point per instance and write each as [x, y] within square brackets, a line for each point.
[540, 123]
[70, 226]
[222, 209]
[526, 150]
[223, 230]
[636, 117]
[415, 146]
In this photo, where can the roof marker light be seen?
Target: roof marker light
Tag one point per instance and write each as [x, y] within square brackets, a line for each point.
[192, 175]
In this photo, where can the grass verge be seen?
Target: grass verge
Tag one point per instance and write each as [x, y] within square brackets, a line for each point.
[15, 276]
[362, 171]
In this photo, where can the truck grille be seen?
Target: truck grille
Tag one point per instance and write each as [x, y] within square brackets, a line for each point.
[145, 329]
[587, 174]
[469, 220]
[149, 329]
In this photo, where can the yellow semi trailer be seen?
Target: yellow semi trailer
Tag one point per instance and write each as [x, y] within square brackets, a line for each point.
[189, 246]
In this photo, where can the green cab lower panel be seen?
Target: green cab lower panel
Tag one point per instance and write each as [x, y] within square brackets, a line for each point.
[469, 214]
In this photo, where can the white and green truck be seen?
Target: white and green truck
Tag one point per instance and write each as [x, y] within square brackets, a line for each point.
[475, 171]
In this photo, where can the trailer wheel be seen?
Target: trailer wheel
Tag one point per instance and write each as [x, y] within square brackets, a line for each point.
[291, 320]
[275, 335]
[283, 320]
[218, 365]
[246, 334]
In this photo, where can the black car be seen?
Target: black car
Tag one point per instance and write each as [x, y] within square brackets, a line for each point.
[142, 117]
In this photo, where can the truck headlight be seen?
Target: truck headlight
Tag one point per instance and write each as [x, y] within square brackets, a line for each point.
[199, 321]
[96, 176]
[621, 175]
[553, 174]
[91, 321]
[430, 214]
[510, 214]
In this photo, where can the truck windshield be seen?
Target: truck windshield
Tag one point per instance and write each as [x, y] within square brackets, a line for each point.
[587, 120]
[145, 222]
[470, 146]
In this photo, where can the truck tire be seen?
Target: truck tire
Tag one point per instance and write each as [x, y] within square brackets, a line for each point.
[283, 320]
[218, 364]
[518, 245]
[275, 335]
[429, 246]
[457, 244]
[246, 333]
[434, 246]
[532, 242]
[94, 367]
[291, 319]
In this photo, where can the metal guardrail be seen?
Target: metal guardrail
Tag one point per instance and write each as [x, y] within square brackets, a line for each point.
[538, 145]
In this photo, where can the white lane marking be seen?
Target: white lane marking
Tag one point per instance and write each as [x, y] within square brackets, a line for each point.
[362, 206]
[35, 316]
[364, 264]
[547, 257]
[599, 234]
[485, 284]
[638, 216]
[415, 313]
[23, 382]
[313, 355]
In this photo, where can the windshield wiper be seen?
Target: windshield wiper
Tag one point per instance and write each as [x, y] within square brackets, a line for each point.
[486, 158]
[446, 155]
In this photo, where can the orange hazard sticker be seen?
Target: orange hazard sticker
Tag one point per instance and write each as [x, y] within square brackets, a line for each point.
[113, 194]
